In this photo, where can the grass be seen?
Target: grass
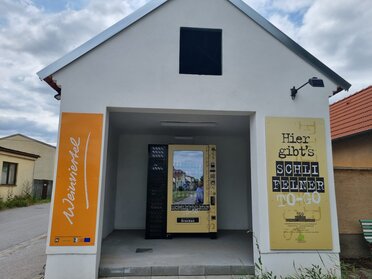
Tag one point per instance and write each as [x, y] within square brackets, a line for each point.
[350, 269]
[20, 201]
[23, 200]
[181, 195]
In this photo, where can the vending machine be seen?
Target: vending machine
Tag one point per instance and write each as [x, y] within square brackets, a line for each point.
[192, 203]
[182, 190]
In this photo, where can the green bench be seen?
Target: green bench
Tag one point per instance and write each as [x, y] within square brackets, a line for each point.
[367, 230]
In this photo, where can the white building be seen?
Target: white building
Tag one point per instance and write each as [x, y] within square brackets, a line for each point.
[138, 75]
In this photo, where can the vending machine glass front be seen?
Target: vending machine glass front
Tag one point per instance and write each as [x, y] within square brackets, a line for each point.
[188, 209]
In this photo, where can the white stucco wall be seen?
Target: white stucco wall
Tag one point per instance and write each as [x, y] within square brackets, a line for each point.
[138, 69]
[110, 183]
[234, 202]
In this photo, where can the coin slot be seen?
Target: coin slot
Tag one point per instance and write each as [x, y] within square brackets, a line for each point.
[213, 200]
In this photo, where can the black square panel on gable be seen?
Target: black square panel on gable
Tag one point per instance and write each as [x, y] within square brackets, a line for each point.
[200, 51]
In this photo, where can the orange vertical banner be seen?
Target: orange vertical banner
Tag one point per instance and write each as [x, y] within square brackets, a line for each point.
[76, 188]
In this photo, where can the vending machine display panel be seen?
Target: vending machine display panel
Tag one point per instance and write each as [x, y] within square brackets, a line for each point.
[191, 197]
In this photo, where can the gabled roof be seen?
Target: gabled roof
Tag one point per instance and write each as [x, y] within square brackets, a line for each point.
[26, 137]
[17, 152]
[46, 73]
[352, 115]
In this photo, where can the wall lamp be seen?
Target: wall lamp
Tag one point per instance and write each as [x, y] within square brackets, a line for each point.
[314, 82]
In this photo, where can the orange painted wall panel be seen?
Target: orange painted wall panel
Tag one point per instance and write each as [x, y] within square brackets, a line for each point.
[78, 171]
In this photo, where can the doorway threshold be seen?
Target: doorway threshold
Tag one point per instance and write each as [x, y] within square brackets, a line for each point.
[128, 253]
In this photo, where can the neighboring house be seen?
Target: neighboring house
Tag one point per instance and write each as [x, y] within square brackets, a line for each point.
[17, 171]
[180, 177]
[351, 125]
[44, 166]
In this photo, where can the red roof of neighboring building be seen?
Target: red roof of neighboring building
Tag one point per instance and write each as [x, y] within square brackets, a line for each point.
[352, 115]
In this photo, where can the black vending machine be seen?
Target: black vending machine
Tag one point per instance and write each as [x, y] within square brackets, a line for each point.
[181, 190]
[156, 212]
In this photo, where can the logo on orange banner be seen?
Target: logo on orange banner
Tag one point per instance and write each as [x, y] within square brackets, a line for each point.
[76, 187]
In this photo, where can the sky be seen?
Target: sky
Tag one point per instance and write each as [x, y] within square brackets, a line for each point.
[35, 33]
[191, 162]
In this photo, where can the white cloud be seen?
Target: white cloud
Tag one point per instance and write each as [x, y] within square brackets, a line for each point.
[290, 6]
[31, 38]
[339, 33]
[269, 7]
[283, 22]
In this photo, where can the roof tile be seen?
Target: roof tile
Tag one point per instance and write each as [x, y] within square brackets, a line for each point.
[352, 115]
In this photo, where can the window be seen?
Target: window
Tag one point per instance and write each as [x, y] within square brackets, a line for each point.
[9, 173]
[200, 51]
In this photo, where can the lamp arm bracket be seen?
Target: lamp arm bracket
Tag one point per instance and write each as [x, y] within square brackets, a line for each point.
[302, 86]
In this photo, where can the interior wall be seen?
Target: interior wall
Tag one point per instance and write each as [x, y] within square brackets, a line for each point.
[110, 191]
[234, 206]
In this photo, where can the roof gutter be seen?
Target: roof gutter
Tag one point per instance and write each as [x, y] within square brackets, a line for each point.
[338, 90]
[52, 84]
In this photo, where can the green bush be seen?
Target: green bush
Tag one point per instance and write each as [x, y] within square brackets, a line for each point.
[2, 204]
[17, 201]
[314, 272]
[20, 201]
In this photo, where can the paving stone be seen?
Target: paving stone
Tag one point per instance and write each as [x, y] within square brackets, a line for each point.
[191, 270]
[164, 271]
[217, 270]
[242, 270]
[111, 272]
[242, 277]
[218, 277]
[164, 277]
[137, 271]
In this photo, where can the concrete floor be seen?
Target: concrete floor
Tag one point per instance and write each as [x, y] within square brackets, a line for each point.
[230, 254]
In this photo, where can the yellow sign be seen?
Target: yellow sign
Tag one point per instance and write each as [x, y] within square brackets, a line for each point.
[76, 193]
[298, 192]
